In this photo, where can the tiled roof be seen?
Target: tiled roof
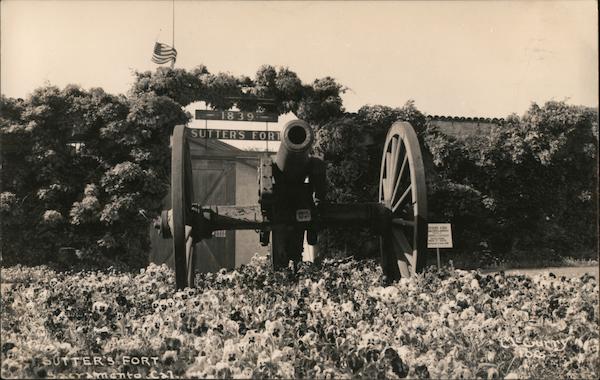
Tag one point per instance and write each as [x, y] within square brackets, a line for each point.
[466, 119]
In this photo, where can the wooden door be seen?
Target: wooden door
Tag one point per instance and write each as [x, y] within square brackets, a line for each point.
[214, 184]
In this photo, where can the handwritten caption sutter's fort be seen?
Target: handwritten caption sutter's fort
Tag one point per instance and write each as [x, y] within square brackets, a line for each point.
[97, 367]
[102, 361]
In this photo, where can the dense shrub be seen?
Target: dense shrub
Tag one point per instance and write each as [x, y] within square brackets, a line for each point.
[352, 147]
[88, 170]
[527, 188]
[537, 179]
[317, 102]
[77, 168]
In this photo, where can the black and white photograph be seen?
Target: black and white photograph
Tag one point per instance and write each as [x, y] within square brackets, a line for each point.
[299, 189]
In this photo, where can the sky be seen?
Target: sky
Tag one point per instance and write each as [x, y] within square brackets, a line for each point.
[471, 58]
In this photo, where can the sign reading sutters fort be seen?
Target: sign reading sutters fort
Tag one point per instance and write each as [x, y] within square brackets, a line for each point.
[234, 134]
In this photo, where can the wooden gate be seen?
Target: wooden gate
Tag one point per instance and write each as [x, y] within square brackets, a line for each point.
[214, 184]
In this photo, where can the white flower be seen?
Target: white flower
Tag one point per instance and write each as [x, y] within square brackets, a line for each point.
[512, 376]
[591, 346]
[460, 296]
[245, 374]
[52, 217]
[100, 307]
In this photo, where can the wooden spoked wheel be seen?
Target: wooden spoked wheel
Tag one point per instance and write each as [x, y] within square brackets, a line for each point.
[182, 196]
[402, 190]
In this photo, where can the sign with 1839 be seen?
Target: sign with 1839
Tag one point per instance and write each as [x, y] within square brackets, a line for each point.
[236, 116]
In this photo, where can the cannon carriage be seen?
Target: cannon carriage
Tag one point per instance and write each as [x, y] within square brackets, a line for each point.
[292, 201]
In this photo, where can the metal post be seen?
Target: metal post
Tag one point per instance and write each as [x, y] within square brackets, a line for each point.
[205, 128]
[438, 258]
[173, 36]
[173, 30]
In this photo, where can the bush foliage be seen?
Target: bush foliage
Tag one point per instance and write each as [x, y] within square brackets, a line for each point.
[528, 187]
[89, 170]
[352, 147]
[317, 102]
[77, 168]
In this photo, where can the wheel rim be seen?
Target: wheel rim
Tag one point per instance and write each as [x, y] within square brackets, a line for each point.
[402, 190]
[182, 195]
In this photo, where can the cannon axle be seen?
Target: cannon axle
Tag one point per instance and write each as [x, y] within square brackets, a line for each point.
[206, 220]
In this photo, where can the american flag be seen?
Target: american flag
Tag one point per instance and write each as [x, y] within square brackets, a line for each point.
[163, 53]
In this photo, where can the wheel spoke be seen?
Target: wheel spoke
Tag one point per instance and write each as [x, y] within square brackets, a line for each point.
[404, 161]
[403, 222]
[401, 240]
[412, 259]
[404, 195]
[394, 158]
[406, 253]
[384, 190]
[388, 171]
[395, 155]
[403, 268]
[400, 246]
[188, 248]
[399, 178]
[190, 252]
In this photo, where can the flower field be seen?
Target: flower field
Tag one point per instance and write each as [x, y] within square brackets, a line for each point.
[333, 320]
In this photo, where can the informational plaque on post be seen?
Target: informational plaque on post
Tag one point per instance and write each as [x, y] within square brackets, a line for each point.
[439, 235]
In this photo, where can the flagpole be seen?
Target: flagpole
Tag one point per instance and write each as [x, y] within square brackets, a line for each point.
[173, 29]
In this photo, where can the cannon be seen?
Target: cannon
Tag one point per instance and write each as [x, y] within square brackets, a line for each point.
[292, 202]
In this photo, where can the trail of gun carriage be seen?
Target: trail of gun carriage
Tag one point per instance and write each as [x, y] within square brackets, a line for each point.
[158, 250]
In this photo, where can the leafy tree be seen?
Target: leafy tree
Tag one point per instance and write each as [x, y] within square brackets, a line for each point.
[321, 102]
[180, 85]
[89, 170]
[79, 167]
[352, 147]
[376, 121]
[529, 187]
[545, 183]
[533, 180]
[316, 103]
[290, 91]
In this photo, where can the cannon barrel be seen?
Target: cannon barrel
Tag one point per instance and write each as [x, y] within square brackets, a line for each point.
[292, 158]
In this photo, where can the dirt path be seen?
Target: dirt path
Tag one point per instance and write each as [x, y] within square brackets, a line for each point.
[558, 271]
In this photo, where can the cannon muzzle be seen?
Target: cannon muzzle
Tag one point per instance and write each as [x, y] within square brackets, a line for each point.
[293, 155]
